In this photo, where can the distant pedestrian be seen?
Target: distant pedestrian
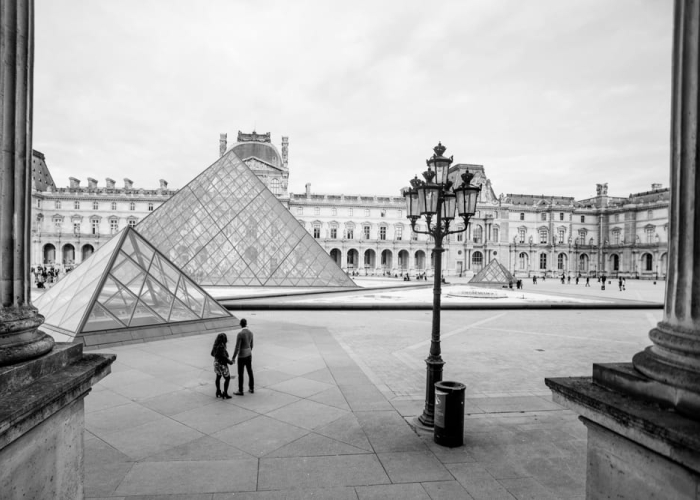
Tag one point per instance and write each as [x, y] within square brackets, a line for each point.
[221, 363]
[568, 280]
[588, 281]
[619, 283]
[577, 280]
[244, 351]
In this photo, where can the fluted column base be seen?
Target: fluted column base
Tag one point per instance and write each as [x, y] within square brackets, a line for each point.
[20, 337]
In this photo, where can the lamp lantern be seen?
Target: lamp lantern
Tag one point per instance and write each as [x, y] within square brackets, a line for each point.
[467, 196]
[440, 165]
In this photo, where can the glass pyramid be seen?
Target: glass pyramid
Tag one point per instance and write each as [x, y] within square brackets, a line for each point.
[226, 228]
[125, 283]
[494, 273]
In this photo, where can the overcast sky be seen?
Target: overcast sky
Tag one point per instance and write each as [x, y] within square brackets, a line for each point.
[551, 96]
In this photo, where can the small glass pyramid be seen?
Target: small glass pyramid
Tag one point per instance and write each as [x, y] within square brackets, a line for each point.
[225, 228]
[125, 284]
[493, 274]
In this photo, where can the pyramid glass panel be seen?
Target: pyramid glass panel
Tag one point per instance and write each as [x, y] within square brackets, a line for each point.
[225, 228]
[100, 319]
[125, 284]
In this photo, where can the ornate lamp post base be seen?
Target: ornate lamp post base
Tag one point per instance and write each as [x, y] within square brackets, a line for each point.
[434, 366]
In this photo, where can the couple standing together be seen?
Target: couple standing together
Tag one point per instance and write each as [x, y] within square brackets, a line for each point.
[244, 351]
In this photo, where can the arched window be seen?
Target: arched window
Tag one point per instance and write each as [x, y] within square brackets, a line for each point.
[616, 262]
[648, 262]
[275, 186]
[478, 234]
[522, 260]
[477, 261]
[543, 261]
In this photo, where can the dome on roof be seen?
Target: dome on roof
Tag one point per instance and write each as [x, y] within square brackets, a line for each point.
[264, 151]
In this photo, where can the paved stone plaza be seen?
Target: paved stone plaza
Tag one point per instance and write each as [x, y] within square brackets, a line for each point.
[334, 394]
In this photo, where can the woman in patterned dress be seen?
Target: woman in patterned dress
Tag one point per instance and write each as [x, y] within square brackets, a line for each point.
[221, 362]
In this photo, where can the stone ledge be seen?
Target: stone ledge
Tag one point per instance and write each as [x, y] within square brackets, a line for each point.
[666, 432]
[66, 374]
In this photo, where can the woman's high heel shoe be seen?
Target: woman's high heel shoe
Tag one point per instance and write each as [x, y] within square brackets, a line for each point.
[218, 394]
[225, 396]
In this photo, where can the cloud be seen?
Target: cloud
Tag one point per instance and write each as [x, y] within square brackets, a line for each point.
[550, 96]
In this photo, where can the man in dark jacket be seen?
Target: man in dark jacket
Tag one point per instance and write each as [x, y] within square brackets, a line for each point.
[244, 351]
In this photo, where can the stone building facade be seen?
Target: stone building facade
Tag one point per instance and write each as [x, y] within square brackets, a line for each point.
[370, 235]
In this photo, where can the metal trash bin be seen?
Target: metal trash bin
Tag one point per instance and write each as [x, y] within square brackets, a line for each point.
[448, 429]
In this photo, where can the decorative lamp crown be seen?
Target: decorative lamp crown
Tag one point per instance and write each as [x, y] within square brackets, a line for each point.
[429, 175]
[439, 149]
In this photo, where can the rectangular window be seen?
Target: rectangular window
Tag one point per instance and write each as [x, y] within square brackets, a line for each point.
[334, 233]
[544, 216]
[351, 233]
[334, 211]
[521, 234]
[561, 236]
[495, 234]
[382, 233]
[522, 216]
[366, 212]
[350, 212]
[650, 236]
[561, 215]
[543, 236]
[132, 222]
[57, 222]
[38, 203]
[398, 232]
[57, 204]
[400, 213]
[317, 211]
[300, 210]
[583, 218]
[132, 206]
[114, 205]
[150, 207]
[113, 226]
[365, 231]
[76, 205]
[460, 236]
[616, 238]
[95, 226]
[95, 205]
[317, 231]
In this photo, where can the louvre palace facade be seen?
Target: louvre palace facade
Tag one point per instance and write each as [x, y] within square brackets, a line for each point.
[531, 235]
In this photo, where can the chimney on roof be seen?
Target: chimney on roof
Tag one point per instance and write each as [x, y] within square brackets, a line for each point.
[222, 144]
[110, 183]
[655, 186]
[128, 183]
[163, 184]
[308, 189]
[92, 183]
[74, 183]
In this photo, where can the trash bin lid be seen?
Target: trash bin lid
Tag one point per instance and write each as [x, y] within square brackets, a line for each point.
[449, 386]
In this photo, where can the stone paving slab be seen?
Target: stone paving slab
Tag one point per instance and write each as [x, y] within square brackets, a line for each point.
[352, 437]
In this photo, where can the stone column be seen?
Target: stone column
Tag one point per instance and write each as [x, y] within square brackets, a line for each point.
[19, 338]
[674, 358]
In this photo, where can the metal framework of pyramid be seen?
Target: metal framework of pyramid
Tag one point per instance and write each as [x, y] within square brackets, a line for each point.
[493, 274]
[126, 291]
[225, 228]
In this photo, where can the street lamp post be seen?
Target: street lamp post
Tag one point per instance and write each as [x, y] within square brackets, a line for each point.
[439, 202]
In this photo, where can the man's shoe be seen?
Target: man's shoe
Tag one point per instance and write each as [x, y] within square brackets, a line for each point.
[238, 393]
[252, 391]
